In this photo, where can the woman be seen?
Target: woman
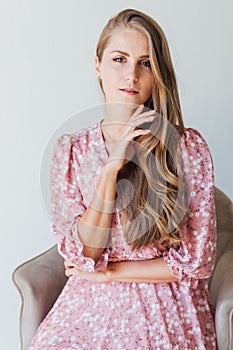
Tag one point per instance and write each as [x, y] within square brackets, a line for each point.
[133, 209]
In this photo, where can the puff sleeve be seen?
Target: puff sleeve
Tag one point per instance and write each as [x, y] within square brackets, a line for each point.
[195, 257]
[66, 205]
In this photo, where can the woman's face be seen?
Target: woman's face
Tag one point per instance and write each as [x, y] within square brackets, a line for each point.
[125, 68]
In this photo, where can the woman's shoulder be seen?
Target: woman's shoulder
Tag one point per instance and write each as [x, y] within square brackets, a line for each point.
[192, 134]
[81, 139]
[193, 140]
[194, 150]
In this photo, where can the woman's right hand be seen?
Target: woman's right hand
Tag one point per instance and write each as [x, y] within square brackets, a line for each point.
[121, 149]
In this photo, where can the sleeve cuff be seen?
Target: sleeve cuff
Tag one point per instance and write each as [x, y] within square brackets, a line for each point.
[71, 248]
[180, 274]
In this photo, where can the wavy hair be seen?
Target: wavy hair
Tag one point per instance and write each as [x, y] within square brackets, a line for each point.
[148, 188]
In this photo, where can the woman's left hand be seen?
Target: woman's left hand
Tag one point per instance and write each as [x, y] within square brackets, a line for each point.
[101, 276]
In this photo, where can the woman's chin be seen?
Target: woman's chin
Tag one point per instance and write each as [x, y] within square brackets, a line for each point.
[130, 103]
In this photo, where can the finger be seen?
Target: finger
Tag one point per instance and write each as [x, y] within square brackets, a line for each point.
[139, 132]
[67, 273]
[70, 271]
[68, 264]
[144, 115]
[136, 124]
[148, 119]
[74, 271]
[132, 134]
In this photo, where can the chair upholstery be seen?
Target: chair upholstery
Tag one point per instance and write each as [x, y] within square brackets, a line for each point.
[221, 284]
[41, 279]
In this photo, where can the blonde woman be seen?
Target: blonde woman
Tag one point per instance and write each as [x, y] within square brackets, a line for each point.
[132, 209]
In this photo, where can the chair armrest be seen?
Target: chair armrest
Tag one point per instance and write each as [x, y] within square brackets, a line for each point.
[221, 294]
[39, 281]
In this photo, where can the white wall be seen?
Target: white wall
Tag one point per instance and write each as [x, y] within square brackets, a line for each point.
[47, 75]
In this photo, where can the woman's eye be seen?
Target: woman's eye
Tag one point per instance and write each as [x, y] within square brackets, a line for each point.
[146, 63]
[118, 59]
[143, 63]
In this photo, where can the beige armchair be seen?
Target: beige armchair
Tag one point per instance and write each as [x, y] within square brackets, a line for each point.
[41, 279]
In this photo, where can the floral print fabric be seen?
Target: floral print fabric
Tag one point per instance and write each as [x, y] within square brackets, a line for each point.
[130, 316]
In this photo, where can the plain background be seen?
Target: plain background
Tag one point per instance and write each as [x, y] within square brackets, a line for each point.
[47, 76]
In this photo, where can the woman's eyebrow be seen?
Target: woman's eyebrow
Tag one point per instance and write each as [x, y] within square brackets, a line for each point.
[126, 54]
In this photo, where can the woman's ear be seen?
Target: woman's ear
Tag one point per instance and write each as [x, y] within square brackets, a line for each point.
[97, 66]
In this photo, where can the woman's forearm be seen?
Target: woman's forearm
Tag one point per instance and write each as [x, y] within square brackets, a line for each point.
[95, 224]
[148, 271]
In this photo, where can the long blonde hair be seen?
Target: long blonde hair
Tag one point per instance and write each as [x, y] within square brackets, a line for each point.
[153, 213]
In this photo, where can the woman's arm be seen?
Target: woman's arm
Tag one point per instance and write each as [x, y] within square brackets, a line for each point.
[153, 270]
[94, 226]
[146, 271]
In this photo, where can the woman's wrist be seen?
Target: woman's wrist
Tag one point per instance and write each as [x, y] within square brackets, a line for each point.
[109, 170]
[111, 271]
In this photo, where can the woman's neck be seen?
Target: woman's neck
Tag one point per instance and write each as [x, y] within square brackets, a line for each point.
[117, 115]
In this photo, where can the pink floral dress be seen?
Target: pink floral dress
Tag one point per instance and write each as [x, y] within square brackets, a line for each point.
[120, 315]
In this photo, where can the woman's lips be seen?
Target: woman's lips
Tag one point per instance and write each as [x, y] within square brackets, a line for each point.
[129, 91]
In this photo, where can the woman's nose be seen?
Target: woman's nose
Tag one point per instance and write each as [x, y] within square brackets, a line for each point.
[131, 74]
